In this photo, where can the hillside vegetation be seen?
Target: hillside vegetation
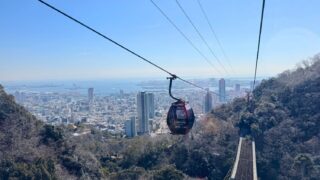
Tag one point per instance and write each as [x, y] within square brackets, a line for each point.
[282, 116]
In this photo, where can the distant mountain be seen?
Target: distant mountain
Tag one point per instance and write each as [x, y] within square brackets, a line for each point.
[283, 116]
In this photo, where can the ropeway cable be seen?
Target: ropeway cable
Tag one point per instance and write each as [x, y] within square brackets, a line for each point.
[123, 47]
[215, 35]
[185, 37]
[200, 35]
[258, 50]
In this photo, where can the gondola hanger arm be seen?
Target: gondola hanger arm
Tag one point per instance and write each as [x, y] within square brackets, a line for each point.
[173, 77]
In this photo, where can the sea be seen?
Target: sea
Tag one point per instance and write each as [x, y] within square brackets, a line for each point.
[107, 87]
[101, 87]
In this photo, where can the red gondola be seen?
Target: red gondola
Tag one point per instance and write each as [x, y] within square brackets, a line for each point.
[180, 118]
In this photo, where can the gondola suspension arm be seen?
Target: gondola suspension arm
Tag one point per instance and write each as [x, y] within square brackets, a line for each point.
[173, 77]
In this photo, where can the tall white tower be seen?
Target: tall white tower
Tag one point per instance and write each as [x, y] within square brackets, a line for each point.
[207, 102]
[90, 95]
[143, 113]
[151, 107]
[222, 90]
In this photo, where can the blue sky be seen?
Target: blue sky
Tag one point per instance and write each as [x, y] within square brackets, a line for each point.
[36, 43]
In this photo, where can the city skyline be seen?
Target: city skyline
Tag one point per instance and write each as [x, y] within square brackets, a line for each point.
[38, 44]
[125, 113]
[130, 113]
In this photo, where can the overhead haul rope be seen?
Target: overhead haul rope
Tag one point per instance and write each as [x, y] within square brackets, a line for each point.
[185, 36]
[125, 48]
[215, 35]
[200, 35]
[258, 50]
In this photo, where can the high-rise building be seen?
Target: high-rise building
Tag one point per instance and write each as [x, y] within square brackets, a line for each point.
[143, 113]
[151, 108]
[121, 93]
[127, 128]
[90, 95]
[133, 126]
[222, 90]
[207, 102]
[130, 127]
[237, 88]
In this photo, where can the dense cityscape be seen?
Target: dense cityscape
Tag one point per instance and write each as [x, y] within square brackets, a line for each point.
[127, 113]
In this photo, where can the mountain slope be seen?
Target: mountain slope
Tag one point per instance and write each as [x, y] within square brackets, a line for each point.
[284, 118]
[29, 149]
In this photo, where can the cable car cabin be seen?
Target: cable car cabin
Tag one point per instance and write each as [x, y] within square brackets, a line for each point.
[180, 117]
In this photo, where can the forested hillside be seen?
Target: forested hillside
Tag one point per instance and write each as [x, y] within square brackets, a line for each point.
[283, 116]
[286, 124]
